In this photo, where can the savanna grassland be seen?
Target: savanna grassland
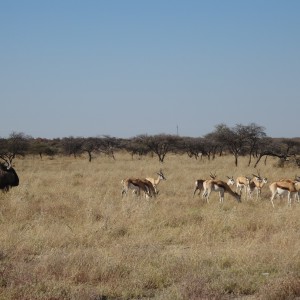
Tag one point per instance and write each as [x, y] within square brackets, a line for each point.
[66, 233]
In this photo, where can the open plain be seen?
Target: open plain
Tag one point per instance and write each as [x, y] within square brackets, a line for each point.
[66, 233]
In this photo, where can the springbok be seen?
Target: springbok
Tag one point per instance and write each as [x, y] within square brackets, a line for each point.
[200, 182]
[296, 195]
[155, 182]
[242, 183]
[296, 179]
[282, 187]
[230, 181]
[256, 183]
[221, 187]
[138, 185]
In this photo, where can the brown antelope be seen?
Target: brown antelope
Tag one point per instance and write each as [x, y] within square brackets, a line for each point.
[138, 185]
[221, 187]
[296, 195]
[155, 182]
[199, 183]
[256, 184]
[229, 182]
[242, 183]
[282, 187]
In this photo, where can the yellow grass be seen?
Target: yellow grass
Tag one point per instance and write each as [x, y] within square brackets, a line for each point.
[66, 233]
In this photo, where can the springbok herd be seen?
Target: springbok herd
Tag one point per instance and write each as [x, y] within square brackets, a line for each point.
[246, 185]
[148, 186]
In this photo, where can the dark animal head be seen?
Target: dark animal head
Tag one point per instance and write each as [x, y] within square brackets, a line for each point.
[8, 177]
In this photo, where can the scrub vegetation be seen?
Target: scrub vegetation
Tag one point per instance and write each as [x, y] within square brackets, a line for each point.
[66, 232]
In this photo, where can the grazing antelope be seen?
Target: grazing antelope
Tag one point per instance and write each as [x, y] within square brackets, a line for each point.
[155, 182]
[242, 183]
[213, 177]
[138, 185]
[283, 187]
[221, 187]
[256, 183]
[150, 188]
[199, 183]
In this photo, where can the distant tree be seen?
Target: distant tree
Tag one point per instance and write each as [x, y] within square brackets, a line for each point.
[212, 145]
[240, 139]
[41, 147]
[194, 147]
[90, 145]
[290, 146]
[234, 139]
[72, 146]
[135, 146]
[255, 134]
[160, 144]
[108, 145]
[51, 151]
[283, 149]
[16, 144]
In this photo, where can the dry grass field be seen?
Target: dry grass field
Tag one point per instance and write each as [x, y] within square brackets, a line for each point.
[66, 233]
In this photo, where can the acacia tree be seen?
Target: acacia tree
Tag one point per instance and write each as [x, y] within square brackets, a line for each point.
[255, 134]
[283, 149]
[212, 145]
[135, 146]
[291, 146]
[235, 139]
[90, 145]
[72, 146]
[108, 145]
[16, 144]
[160, 144]
[270, 148]
[194, 147]
[42, 147]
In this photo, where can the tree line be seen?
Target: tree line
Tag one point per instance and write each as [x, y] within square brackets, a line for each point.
[240, 140]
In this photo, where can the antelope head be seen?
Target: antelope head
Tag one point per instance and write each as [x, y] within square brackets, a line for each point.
[161, 175]
[230, 180]
[212, 176]
[258, 178]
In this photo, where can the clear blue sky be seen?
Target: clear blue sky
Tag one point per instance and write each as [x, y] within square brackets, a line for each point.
[124, 68]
